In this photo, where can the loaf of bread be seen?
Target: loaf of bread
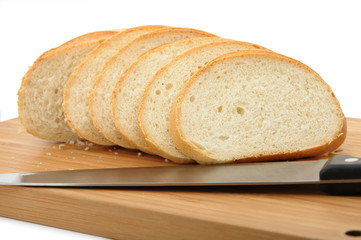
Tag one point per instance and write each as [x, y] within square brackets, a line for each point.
[255, 106]
[76, 99]
[131, 85]
[183, 94]
[100, 96]
[40, 96]
[158, 98]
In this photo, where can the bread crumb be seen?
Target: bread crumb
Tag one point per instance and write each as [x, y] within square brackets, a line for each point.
[73, 157]
[61, 145]
[49, 154]
[109, 150]
[40, 163]
[116, 153]
[80, 143]
[166, 160]
[139, 154]
[86, 149]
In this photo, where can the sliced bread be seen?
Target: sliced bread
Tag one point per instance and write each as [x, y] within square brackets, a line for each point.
[158, 98]
[40, 96]
[135, 79]
[256, 106]
[82, 79]
[100, 96]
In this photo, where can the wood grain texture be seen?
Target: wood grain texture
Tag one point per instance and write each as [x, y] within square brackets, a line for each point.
[248, 212]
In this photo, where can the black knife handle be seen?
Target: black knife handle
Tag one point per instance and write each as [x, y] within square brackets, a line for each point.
[341, 167]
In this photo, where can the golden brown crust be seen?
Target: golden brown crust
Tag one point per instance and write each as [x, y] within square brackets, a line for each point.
[192, 151]
[93, 36]
[174, 126]
[86, 39]
[76, 42]
[81, 40]
[149, 35]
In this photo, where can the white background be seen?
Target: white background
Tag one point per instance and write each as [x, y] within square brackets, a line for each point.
[324, 34]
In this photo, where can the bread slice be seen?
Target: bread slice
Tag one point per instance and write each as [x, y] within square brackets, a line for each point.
[158, 98]
[82, 79]
[134, 80]
[41, 92]
[256, 106]
[100, 96]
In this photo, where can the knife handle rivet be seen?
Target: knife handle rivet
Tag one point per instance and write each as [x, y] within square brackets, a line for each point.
[352, 159]
[353, 233]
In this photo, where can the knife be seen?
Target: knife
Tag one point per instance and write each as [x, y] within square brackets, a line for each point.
[340, 175]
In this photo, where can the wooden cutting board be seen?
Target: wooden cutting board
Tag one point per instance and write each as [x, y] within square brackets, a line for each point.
[248, 212]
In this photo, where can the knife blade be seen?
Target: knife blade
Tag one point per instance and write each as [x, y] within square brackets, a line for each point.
[340, 174]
